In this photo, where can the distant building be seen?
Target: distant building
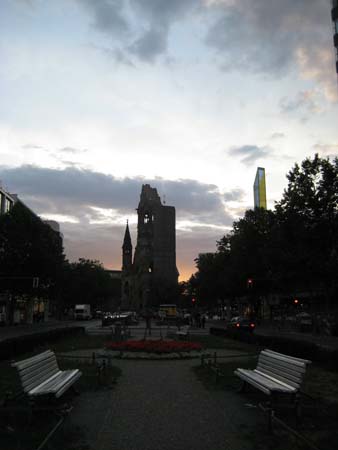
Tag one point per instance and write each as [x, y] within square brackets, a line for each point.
[260, 189]
[151, 277]
[334, 16]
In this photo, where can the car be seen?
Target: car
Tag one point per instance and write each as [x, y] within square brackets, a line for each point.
[107, 319]
[304, 321]
[242, 324]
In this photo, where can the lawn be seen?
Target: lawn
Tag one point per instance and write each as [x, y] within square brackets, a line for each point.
[319, 404]
[33, 430]
[217, 342]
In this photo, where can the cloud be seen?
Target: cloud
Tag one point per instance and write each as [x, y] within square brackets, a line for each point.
[146, 40]
[250, 153]
[31, 147]
[72, 150]
[150, 45]
[274, 37]
[277, 136]
[108, 16]
[92, 208]
[76, 192]
[234, 195]
[304, 101]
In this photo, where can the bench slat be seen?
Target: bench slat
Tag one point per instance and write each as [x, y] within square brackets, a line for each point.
[265, 383]
[284, 371]
[55, 383]
[282, 365]
[25, 363]
[38, 366]
[36, 378]
[254, 382]
[75, 377]
[305, 361]
[295, 382]
[297, 362]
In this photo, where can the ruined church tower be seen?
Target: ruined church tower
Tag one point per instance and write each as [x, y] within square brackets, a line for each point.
[153, 275]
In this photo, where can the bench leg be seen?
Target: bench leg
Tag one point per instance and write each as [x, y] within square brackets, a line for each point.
[271, 413]
[298, 409]
[243, 387]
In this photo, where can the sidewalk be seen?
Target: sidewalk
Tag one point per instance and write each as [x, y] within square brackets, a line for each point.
[163, 406]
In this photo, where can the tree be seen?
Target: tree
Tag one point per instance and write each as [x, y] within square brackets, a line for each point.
[308, 217]
[87, 282]
[28, 248]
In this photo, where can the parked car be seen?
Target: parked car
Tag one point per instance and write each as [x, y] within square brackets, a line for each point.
[107, 319]
[125, 317]
[304, 321]
[242, 324]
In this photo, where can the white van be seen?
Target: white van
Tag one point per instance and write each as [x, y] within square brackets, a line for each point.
[82, 312]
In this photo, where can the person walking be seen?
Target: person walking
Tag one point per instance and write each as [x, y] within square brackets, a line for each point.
[148, 323]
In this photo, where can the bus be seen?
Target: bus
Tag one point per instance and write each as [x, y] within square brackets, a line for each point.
[167, 311]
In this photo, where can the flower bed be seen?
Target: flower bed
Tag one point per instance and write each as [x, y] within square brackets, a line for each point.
[154, 346]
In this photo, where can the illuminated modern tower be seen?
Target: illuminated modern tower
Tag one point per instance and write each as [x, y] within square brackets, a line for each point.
[334, 15]
[260, 189]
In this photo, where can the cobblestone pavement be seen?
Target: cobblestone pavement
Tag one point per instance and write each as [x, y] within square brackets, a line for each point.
[163, 406]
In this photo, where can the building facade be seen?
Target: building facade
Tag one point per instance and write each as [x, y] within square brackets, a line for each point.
[260, 189]
[16, 309]
[6, 201]
[151, 277]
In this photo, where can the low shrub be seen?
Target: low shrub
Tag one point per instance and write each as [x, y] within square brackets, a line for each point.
[154, 346]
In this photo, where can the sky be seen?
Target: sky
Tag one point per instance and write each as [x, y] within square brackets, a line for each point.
[98, 97]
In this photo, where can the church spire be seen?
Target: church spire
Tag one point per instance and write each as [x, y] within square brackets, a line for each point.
[127, 250]
[127, 239]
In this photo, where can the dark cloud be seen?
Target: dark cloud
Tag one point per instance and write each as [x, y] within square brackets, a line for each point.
[108, 16]
[150, 45]
[250, 153]
[234, 195]
[264, 35]
[149, 39]
[74, 192]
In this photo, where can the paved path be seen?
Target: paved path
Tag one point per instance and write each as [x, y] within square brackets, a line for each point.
[161, 405]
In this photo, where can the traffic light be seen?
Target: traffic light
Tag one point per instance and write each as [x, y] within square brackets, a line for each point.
[193, 300]
[296, 301]
[249, 283]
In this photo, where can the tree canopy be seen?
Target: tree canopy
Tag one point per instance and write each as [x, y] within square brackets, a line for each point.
[291, 248]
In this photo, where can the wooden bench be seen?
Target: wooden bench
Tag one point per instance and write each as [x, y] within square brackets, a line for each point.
[40, 376]
[276, 375]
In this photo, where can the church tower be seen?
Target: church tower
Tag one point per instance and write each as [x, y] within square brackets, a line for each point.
[151, 277]
[127, 251]
[127, 267]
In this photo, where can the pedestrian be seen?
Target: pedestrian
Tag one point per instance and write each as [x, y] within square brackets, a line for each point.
[148, 323]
